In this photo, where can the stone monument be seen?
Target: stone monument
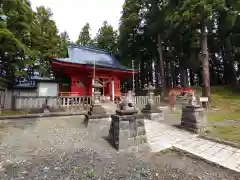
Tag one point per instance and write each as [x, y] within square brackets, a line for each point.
[193, 116]
[127, 128]
[96, 112]
[150, 110]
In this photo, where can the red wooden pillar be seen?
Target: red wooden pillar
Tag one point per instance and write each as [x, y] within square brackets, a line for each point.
[117, 88]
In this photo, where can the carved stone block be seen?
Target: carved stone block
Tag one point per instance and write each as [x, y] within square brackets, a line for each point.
[127, 131]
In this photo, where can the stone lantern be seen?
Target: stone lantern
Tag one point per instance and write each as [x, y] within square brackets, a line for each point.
[150, 110]
[150, 92]
[96, 112]
[96, 94]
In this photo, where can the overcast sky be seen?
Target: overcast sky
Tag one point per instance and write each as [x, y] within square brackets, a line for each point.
[71, 15]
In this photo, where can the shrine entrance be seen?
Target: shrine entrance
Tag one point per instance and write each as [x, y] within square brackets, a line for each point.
[108, 88]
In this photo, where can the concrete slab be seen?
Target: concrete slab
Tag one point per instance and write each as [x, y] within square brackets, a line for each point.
[213, 150]
[162, 137]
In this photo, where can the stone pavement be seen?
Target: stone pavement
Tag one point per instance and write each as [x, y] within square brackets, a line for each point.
[161, 136]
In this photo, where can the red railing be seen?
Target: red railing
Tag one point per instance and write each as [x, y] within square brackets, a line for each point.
[85, 94]
[73, 94]
[178, 92]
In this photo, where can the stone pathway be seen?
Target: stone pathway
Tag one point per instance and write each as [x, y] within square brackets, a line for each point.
[161, 136]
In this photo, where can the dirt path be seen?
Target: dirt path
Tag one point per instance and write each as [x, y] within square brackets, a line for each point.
[63, 149]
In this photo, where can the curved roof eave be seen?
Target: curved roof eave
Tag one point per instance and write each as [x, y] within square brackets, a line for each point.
[70, 61]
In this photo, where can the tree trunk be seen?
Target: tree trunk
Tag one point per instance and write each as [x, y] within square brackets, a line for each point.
[150, 72]
[192, 78]
[157, 73]
[183, 78]
[205, 63]
[161, 62]
[229, 71]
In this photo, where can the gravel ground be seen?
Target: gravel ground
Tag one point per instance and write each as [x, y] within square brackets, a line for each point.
[63, 149]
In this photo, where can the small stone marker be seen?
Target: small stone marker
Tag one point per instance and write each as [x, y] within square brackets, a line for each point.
[127, 126]
[150, 110]
[204, 100]
[193, 116]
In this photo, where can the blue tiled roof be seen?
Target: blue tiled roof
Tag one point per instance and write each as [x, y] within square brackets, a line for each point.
[26, 85]
[38, 78]
[85, 55]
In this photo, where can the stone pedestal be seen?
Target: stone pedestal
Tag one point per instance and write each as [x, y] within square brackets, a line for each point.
[127, 131]
[150, 111]
[194, 118]
[127, 128]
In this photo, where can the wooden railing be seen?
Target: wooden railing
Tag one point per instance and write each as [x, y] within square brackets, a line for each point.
[68, 94]
[75, 101]
[25, 102]
[141, 101]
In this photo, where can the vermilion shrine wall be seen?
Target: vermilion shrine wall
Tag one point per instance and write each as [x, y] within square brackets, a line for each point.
[81, 85]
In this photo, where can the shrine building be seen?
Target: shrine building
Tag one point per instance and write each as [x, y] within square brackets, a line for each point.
[77, 72]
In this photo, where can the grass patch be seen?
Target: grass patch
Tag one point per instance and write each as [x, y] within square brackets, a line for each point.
[13, 113]
[226, 102]
[177, 116]
[2, 125]
[223, 115]
[225, 99]
[166, 151]
[90, 174]
[229, 133]
[225, 106]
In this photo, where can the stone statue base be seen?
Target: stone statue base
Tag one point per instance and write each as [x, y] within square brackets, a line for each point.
[127, 131]
[194, 119]
[151, 112]
[96, 109]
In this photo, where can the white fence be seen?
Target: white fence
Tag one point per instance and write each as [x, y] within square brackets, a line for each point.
[27, 102]
[141, 101]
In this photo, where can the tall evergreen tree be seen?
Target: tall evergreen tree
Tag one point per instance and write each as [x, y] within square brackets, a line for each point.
[106, 38]
[46, 40]
[14, 37]
[84, 36]
[64, 44]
